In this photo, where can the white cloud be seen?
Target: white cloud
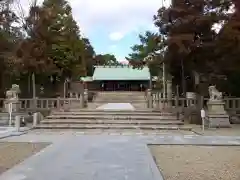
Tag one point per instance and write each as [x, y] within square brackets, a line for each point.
[116, 36]
[115, 16]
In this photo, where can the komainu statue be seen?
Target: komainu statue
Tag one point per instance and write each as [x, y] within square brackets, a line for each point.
[13, 92]
[214, 94]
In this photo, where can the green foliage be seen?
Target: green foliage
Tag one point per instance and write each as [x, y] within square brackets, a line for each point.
[54, 45]
[66, 46]
[150, 43]
[106, 59]
[188, 41]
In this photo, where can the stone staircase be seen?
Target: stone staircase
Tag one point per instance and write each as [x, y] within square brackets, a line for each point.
[138, 119]
[120, 97]
[112, 119]
[137, 99]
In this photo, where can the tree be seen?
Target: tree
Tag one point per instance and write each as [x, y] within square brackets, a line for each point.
[227, 49]
[150, 43]
[9, 38]
[106, 59]
[88, 55]
[190, 36]
[66, 46]
[32, 52]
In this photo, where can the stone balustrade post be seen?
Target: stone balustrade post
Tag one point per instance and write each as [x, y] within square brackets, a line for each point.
[35, 119]
[85, 97]
[58, 103]
[82, 99]
[169, 93]
[149, 99]
[17, 123]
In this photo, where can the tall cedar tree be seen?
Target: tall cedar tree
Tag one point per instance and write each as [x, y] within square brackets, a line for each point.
[190, 36]
[9, 38]
[227, 50]
[66, 46]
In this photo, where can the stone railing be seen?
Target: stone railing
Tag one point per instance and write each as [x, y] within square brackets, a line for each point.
[173, 102]
[232, 103]
[38, 104]
[50, 103]
[74, 95]
[158, 101]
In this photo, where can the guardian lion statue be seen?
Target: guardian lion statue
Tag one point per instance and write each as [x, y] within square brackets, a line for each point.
[13, 92]
[214, 94]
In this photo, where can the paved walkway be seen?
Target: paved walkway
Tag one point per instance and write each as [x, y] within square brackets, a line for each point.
[98, 157]
[117, 106]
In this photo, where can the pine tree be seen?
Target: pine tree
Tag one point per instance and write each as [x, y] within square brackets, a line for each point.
[150, 44]
[106, 59]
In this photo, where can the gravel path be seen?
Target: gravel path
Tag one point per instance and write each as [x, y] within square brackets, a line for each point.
[14, 153]
[197, 162]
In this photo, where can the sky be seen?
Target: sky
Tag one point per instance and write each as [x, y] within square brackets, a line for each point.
[112, 26]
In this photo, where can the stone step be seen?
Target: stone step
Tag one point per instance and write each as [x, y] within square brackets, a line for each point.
[104, 121]
[120, 111]
[104, 116]
[113, 126]
[119, 101]
[126, 113]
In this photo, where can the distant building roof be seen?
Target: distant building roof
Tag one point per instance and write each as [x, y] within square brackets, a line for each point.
[123, 72]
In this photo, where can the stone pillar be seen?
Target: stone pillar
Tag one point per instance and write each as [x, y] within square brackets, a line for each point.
[17, 123]
[191, 98]
[82, 99]
[169, 93]
[35, 119]
[85, 94]
[217, 116]
[149, 99]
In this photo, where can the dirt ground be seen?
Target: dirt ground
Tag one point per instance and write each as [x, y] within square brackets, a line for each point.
[197, 162]
[12, 153]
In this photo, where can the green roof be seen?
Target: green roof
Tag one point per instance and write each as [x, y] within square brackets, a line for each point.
[124, 72]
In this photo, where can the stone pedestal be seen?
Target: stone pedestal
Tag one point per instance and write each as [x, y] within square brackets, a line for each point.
[15, 105]
[217, 116]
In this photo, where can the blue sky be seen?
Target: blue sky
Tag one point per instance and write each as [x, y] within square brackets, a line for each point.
[113, 25]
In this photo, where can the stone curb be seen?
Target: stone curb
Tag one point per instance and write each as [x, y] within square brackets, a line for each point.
[15, 133]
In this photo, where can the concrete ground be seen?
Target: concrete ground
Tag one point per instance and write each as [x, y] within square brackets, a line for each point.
[233, 131]
[75, 156]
